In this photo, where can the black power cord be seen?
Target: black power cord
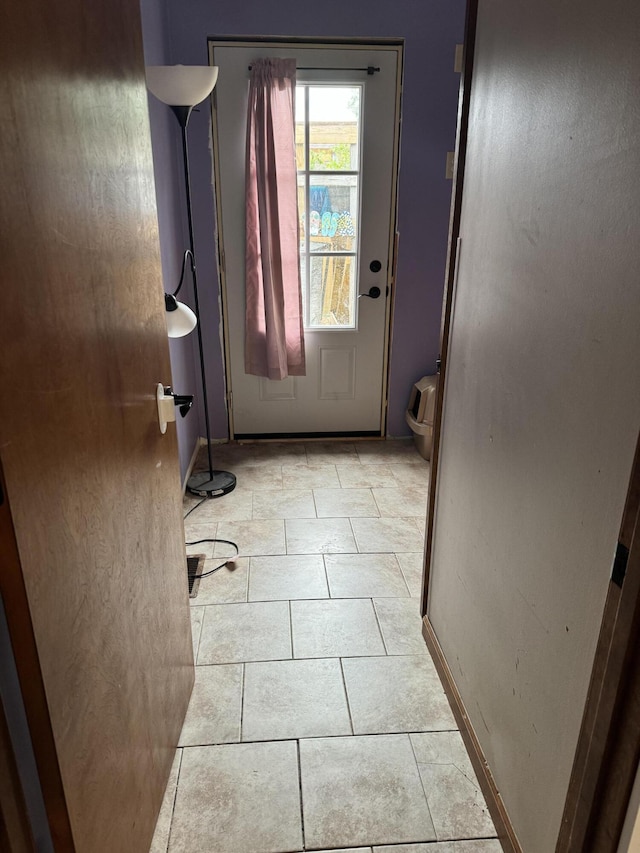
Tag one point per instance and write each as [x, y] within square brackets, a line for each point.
[194, 508]
[228, 562]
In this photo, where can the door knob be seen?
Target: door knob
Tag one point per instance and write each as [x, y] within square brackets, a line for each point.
[373, 292]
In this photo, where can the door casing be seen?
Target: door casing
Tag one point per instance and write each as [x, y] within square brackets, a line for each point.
[288, 42]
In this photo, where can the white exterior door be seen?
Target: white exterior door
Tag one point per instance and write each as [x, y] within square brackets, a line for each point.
[346, 148]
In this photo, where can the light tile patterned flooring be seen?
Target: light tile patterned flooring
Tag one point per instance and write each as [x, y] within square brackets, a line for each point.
[317, 720]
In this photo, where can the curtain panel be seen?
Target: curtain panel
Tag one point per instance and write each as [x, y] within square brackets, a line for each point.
[274, 331]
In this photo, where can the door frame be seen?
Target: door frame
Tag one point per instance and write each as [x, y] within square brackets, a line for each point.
[453, 251]
[608, 750]
[318, 43]
[21, 633]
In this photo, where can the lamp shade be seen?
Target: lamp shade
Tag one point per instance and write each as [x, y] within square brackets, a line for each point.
[181, 85]
[180, 321]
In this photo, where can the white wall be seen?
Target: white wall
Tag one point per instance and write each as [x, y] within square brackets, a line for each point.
[542, 406]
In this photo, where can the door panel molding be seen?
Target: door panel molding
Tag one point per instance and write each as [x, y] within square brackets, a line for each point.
[348, 372]
[286, 389]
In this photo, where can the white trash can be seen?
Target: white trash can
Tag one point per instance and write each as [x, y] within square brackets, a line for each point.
[420, 413]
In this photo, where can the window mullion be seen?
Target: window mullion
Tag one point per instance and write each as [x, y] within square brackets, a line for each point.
[307, 196]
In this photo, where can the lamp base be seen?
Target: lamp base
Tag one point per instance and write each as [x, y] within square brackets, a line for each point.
[211, 484]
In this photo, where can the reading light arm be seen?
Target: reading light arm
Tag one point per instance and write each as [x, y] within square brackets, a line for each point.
[170, 301]
[187, 254]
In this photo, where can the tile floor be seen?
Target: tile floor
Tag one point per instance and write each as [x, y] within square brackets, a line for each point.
[318, 721]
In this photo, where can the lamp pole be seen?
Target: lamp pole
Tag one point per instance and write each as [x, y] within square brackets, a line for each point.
[181, 87]
[183, 114]
[211, 484]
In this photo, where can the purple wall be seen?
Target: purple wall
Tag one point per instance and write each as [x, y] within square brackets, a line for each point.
[167, 164]
[431, 29]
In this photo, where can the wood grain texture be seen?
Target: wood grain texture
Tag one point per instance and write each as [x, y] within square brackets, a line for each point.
[94, 487]
[16, 604]
[15, 833]
[497, 810]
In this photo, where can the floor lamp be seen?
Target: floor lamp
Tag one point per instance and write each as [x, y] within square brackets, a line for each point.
[181, 87]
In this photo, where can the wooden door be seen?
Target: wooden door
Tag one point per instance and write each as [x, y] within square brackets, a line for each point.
[518, 544]
[93, 486]
[347, 129]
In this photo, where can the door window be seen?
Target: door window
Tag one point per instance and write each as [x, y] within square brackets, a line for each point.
[328, 154]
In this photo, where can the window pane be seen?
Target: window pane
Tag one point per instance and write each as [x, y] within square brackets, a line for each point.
[332, 291]
[300, 122]
[328, 201]
[334, 113]
[333, 212]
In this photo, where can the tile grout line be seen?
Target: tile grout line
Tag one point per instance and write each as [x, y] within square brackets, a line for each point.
[346, 694]
[424, 790]
[290, 738]
[419, 656]
[290, 629]
[248, 600]
[353, 533]
[326, 577]
[242, 685]
[196, 652]
[246, 590]
[286, 660]
[175, 797]
[378, 507]
[384, 645]
[304, 841]
[402, 845]
[404, 577]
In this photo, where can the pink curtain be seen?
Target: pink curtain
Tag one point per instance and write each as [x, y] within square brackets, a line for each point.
[274, 341]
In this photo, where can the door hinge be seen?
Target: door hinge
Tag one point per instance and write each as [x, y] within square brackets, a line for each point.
[620, 564]
[438, 364]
